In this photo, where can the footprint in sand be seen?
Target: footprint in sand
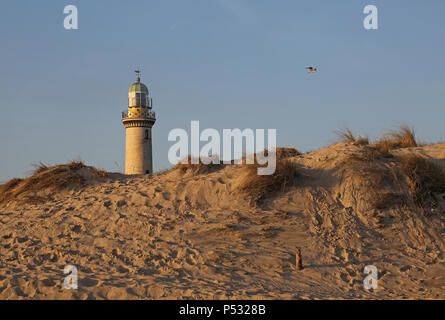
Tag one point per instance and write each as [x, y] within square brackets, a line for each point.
[351, 277]
[405, 268]
[77, 229]
[166, 195]
[49, 282]
[351, 272]
[121, 203]
[22, 239]
[344, 277]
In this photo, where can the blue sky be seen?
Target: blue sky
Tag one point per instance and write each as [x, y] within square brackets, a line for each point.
[226, 63]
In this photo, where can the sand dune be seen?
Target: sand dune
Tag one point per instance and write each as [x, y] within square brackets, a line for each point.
[180, 235]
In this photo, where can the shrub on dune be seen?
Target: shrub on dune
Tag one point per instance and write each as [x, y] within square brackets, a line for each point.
[425, 178]
[196, 169]
[347, 136]
[258, 187]
[54, 178]
[404, 137]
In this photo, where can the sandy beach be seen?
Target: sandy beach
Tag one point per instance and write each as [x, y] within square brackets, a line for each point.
[178, 235]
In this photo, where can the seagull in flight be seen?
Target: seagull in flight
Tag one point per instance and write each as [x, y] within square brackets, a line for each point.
[311, 69]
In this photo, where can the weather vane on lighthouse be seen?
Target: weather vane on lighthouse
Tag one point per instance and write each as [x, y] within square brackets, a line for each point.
[138, 72]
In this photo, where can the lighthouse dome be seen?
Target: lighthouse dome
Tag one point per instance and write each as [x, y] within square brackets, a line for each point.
[138, 87]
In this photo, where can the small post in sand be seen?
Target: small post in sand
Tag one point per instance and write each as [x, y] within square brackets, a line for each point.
[298, 260]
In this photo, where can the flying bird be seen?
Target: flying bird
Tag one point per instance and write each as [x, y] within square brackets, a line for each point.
[311, 70]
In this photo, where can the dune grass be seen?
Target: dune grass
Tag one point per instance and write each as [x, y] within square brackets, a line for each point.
[44, 177]
[283, 153]
[394, 181]
[370, 169]
[196, 169]
[201, 168]
[404, 137]
[425, 179]
[347, 136]
[255, 186]
[258, 187]
[280, 153]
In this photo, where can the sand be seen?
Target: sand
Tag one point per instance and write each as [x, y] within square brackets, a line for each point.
[174, 236]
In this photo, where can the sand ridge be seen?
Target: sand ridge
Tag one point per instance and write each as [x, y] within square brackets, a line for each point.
[180, 236]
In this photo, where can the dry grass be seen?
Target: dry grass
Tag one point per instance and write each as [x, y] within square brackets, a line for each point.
[39, 168]
[99, 173]
[258, 187]
[425, 179]
[372, 169]
[76, 165]
[393, 182]
[404, 137]
[281, 153]
[55, 178]
[8, 187]
[347, 136]
[201, 168]
[196, 169]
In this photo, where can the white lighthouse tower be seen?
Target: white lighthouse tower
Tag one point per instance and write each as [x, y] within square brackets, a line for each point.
[138, 121]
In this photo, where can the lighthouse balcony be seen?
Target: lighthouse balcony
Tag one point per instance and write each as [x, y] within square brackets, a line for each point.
[138, 114]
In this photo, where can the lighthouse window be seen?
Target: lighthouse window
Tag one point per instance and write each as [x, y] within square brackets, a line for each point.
[146, 134]
[141, 99]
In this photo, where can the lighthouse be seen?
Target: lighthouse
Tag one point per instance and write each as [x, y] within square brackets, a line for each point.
[138, 121]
